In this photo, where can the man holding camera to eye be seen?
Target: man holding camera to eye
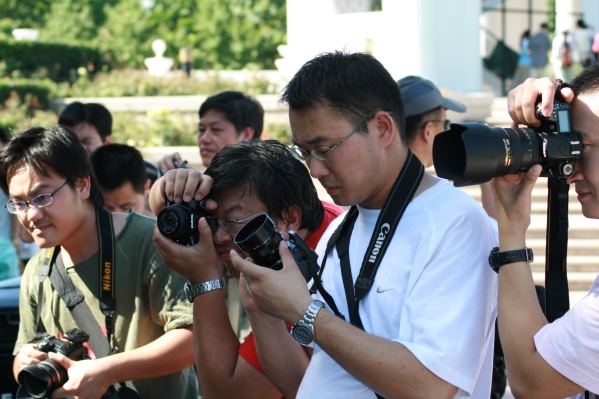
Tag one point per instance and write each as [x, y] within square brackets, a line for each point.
[107, 269]
[422, 324]
[243, 181]
[558, 359]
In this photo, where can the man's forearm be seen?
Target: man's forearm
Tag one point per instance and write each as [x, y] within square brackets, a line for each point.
[221, 370]
[275, 348]
[387, 367]
[168, 354]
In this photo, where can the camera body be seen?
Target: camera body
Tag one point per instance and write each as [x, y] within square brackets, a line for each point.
[40, 379]
[179, 222]
[474, 153]
[260, 239]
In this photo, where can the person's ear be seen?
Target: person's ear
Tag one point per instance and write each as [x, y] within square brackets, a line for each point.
[83, 187]
[386, 128]
[292, 218]
[246, 134]
[147, 188]
[426, 134]
[108, 139]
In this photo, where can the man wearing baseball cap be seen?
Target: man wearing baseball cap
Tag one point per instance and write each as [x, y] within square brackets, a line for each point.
[425, 114]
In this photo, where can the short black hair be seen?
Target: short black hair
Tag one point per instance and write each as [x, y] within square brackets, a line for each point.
[239, 109]
[587, 81]
[269, 167]
[353, 86]
[116, 164]
[415, 122]
[57, 148]
[95, 114]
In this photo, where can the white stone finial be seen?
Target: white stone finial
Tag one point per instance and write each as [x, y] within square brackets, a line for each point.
[159, 47]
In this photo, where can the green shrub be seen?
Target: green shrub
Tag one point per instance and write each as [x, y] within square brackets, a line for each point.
[57, 61]
[126, 83]
[31, 91]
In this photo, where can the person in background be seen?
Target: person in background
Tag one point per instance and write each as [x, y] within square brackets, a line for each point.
[582, 40]
[9, 233]
[524, 61]
[226, 118]
[539, 48]
[91, 122]
[122, 176]
[425, 111]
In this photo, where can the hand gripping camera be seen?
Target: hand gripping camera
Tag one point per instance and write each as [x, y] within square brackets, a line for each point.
[39, 380]
[260, 239]
[179, 222]
[473, 153]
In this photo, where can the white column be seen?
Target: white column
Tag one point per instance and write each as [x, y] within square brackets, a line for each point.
[436, 39]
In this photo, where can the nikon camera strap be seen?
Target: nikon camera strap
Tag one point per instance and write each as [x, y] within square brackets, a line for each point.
[395, 205]
[74, 299]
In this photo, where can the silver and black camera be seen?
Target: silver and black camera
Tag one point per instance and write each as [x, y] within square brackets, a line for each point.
[40, 379]
[474, 153]
[260, 239]
[179, 222]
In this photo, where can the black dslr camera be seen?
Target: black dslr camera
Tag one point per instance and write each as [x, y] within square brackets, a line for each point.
[473, 153]
[179, 222]
[39, 380]
[260, 239]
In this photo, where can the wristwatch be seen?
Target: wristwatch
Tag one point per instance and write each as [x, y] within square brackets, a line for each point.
[498, 259]
[191, 291]
[303, 330]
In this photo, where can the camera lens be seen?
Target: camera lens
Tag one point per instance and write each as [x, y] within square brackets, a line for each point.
[473, 153]
[260, 239]
[172, 221]
[40, 379]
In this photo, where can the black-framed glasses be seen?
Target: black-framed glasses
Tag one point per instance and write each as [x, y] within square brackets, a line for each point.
[231, 226]
[446, 122]
[40, 201]
[324, 153]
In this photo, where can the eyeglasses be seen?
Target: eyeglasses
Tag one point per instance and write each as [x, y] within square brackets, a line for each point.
[40, 201]
[446, 122]
[231, 226]
[324, 153]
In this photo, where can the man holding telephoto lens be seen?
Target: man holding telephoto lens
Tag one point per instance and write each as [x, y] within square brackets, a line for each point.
[558, 359]
[244, 181]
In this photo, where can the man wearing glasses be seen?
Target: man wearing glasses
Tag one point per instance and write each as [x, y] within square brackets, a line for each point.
[243, 181]
[411, 308]
[52, 190]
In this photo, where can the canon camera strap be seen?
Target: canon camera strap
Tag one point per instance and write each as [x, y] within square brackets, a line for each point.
[74, 299]
[395, 205]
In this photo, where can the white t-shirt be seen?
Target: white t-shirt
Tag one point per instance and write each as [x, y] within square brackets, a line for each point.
[571, 343]
[434, 293]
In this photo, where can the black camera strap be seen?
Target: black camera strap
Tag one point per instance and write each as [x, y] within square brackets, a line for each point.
[395, 205]
[74, 299]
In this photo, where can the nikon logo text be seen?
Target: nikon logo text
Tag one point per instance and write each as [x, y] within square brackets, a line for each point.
[379, 242]
[107, 276]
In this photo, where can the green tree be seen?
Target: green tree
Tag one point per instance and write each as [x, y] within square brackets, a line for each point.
[229, 34]
[125, 35]
[22, 14]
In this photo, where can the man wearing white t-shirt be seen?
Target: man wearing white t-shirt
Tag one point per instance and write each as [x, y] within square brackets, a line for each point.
[558, 359]
[425, 326]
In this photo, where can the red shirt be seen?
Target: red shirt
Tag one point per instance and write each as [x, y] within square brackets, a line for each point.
[247, 349]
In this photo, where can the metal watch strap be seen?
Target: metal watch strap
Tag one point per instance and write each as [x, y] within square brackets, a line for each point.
[192, 291]
[498, 259]
[303, 330]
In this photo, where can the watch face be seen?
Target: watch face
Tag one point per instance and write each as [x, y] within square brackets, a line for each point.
[302, 334]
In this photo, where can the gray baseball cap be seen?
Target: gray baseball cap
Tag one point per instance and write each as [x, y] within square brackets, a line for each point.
[421, 95]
